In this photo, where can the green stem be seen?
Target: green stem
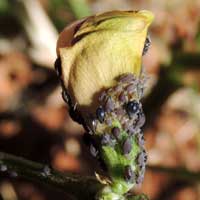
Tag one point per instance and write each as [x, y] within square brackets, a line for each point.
[79, 8]
[180, 173]
[82, 187]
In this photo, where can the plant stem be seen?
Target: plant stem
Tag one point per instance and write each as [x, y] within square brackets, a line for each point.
[79, 8]
[180, 173]
[81, 187]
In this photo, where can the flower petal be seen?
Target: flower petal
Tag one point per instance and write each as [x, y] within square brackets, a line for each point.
[102, 48]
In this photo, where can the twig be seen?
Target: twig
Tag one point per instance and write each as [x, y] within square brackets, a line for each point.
[40, 31]
[82, 187]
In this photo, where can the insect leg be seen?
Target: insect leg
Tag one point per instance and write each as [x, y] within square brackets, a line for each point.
[147, 45]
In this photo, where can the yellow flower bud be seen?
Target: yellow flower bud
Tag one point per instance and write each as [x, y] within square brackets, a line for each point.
[98, 49]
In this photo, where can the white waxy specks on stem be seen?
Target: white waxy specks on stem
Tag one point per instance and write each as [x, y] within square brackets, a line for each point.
[46, 171]
[3, 168]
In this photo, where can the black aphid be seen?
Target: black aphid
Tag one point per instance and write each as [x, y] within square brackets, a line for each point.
[147, 44]
[129, 174]
[66, 97]
[76, 116]
[100, 114]
[132, 107]
[73, 112]
[92, 123]
[57, 66]
[127, 146]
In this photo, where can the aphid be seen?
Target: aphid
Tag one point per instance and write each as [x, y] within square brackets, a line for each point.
[131, 88]
[126, 125]
[108, 121]
[119, 111]
[109, 106]
[140, 139]
[118, 88]
[57, 66]
[145, 156]
[127, 146]
[131, 130]
[116, 132]
[73, 112]
[106, 139]
[141, 119]
[100, 114]
[126, 78]
[132, 107]
[140, 178]
[129, 174]
[141, 159]
[122, 97]
[91, 123]
[147, 44]
[102, 96]
[66, 97]
[140, 91]
[93, 150]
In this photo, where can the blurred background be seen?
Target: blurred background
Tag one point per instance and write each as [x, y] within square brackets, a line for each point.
[34, 122]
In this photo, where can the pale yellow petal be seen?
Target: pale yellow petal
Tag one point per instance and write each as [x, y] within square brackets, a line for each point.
[109, 45]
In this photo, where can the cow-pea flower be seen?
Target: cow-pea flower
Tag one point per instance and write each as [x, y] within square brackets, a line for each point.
[99, 63]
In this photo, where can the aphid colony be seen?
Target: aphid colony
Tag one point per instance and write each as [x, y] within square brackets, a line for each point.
[115, 130]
